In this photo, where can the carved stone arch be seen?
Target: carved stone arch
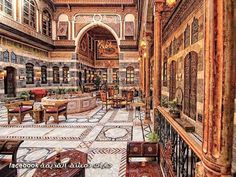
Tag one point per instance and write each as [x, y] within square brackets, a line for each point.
[92, 25]
[190, 84]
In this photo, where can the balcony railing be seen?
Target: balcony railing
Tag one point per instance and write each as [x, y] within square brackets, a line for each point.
[93, 1]
[186, 152]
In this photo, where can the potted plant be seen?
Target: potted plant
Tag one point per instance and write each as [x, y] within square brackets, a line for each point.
[153, 137]
[24, 95]
[164, 102]
[174, 111]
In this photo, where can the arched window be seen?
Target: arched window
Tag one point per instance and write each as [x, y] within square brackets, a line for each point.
[6, 6]
[29, 13]
[129, 75]
[13, 57]
[56, 75]
[29, 73]
[44, 74]
[187, 36]
[165, 72]
[47, 23]
[195, 28]
[6, 56]
[65, 74]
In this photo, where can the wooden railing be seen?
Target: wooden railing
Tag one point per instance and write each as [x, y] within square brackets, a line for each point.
[93, 1]
[186, 152]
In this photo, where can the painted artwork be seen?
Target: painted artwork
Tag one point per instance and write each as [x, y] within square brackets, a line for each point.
[129, 28]
[107, 50]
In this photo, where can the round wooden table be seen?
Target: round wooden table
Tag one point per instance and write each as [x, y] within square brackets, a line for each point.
[76, 157]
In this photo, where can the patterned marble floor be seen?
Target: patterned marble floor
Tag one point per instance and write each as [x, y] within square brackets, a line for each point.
[102, 135]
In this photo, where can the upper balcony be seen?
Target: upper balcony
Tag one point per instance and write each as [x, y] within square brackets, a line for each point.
[93, 2]
[23, 33]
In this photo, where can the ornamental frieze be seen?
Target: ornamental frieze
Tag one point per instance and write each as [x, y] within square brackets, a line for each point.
[112, 20]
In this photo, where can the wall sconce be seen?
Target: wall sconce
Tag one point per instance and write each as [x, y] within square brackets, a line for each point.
[143, 44]
[170, 2]
[145, 54]
[38, 75]
[21, 78]
[139, 58]
[179, 77]
[3, 73]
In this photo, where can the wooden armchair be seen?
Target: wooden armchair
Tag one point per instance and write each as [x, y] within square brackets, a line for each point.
[143, 168]
[129, 98]
[55, 110]
[105, 100]
[19, 110]
[9, 147]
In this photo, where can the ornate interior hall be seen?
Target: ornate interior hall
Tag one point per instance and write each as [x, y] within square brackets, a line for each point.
[117, 88]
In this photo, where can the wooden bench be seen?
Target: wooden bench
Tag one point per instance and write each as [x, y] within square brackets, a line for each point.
[19, 109]
[55, 110]
[143, 149]
[8, 147]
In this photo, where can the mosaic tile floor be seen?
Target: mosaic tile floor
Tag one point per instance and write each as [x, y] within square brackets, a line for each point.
[102, 135]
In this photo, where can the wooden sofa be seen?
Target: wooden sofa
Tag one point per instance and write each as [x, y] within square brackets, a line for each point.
[160, 158]
[8, 147]
[55, 110]
[19, 109]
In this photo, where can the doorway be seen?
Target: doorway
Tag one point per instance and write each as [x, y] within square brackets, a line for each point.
[10, 81]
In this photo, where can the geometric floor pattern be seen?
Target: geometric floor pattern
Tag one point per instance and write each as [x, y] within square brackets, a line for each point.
[102, 135]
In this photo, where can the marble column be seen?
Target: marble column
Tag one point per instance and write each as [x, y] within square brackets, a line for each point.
[147, 118]
[219, 89]
[158, 5]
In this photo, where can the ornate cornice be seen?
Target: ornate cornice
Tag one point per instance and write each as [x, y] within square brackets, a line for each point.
[180, 13]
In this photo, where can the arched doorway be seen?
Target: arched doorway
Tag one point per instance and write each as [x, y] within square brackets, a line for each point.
[190, 84]
[99, 47]
[10, 81]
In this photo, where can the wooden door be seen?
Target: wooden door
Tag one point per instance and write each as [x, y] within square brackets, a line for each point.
[190, 85]
[172, 87]
[10, 82]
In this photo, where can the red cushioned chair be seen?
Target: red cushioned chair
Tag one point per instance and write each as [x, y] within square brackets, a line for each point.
[19, 110]
[55, 110]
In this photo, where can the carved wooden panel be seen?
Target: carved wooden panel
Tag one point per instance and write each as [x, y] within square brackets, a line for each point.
[62, 29]
[129, 29]
[172, 87]
[165, 72]
[190, 85]
[195, 29]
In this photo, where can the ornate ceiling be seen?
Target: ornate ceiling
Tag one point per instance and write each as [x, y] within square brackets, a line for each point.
[100, 33]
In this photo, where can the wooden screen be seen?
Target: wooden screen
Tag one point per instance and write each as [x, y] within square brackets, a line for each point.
[172, 88]
[190, 85]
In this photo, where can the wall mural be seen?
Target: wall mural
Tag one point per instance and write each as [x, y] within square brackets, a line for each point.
[107, 50]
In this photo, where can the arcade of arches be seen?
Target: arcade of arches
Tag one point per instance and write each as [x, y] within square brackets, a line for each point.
[113, 79]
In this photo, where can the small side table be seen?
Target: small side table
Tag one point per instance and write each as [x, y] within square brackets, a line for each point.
[38, 115]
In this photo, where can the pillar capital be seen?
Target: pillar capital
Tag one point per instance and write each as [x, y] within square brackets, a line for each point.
[158, 6]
